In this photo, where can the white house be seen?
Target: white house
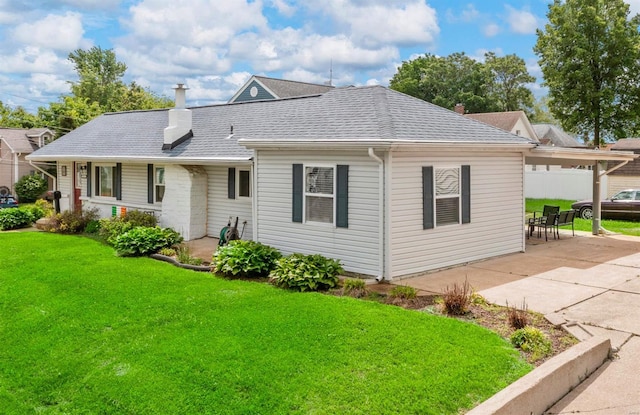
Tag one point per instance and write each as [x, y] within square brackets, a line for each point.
[389, 184]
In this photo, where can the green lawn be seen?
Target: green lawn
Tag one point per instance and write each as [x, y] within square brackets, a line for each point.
[617, 226]
[86, 332]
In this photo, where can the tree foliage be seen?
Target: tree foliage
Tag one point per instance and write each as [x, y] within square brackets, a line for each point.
[496, 85]
[590, 58]
[99, 89]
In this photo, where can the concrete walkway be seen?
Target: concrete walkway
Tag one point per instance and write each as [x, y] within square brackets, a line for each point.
[591, 285]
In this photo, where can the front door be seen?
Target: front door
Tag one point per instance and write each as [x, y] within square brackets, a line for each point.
[77, 188]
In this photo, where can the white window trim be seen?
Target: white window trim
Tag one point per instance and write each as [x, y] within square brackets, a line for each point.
[155, 184]
[436, 197]
[95, 189]
[238, 170]
[305, 194]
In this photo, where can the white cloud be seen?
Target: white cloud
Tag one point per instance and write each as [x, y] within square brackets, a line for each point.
[491, 30]
[522, 21]
[283, 7]
[33, 59]
[468, 14]
[634, 6]
[58, 32]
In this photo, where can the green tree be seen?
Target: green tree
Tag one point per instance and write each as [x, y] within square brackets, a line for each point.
[30, 188]
[499, 84]
[68, 114]
[590, 58]
[541, 114]
[510, 77]
[17, 118]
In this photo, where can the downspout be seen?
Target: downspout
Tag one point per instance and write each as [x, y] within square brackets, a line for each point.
[55, 180]
[254, 196]
[16, 170]
[381, 249]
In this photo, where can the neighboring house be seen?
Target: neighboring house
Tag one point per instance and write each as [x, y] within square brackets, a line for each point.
[552, 135]
[516, 122]
[627, 176]
[262, 88]
[389, 184]
[15, 145]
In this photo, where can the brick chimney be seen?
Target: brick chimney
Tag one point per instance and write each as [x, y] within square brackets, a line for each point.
[180, 120]
[459, 108]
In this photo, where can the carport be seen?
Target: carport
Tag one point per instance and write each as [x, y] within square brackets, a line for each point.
[569, 157]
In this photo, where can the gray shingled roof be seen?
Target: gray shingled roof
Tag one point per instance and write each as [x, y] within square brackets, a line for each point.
[351, 113]
[19, 138]
[549, 134]
[287, 89]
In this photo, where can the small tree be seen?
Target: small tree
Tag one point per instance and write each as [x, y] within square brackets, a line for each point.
[29, 188]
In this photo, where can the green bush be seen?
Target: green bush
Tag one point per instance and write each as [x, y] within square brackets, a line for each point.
[354, 287]
[70, 222]
[111, 228]
[36, 211]
[404, 292]
[306, 272]
[242, 258]
[532, 340]
[15, 218]
[144, 240]
[29, 188]
[183, 255]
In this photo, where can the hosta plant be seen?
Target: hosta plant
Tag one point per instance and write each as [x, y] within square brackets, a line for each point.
[242, 258]
[145, 240]
[306, 272]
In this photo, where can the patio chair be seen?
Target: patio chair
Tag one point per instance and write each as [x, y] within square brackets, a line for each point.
[547, 222]
[539, 217]
[566, 218]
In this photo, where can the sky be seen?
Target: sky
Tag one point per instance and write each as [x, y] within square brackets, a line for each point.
[214, 46]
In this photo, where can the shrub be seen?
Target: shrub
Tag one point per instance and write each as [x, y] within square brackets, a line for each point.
[183, 255]
[15, 218]
[111, 228]
[518, 318]
[532, 340]
[29, 188]
[457, 298]
[245, 259]
[403, 292]
[354, 287]
[47, 207]
[306, 272]
[167, 252]
[92, 227]
[71, 221]
[144, 240]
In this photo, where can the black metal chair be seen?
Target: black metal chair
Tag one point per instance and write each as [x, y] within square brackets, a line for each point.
[539, 217]
[547, 222]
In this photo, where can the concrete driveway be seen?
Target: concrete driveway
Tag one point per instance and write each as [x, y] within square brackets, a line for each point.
[591, 285]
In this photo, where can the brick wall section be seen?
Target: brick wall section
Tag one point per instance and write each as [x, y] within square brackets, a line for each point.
[184, 207]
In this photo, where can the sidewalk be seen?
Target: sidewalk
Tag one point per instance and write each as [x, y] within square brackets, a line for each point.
[591, 284]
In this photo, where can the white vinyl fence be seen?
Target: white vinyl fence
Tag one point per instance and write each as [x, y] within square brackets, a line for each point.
[568, 184]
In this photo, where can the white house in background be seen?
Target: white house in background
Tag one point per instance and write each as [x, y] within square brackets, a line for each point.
[15, 145]
[389, 184]
[516, 122]
[552, 135]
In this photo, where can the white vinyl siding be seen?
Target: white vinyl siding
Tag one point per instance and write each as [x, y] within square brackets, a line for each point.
[356, 246]
[497, 216]
[619, 182]
[220, 207]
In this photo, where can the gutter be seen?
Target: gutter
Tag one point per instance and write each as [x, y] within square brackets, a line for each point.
[381, 250]
[616, 167]
[55, 180]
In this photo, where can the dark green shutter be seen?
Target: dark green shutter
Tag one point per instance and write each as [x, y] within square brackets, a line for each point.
[297, 187]
[96, 181]
[150, 181]
[342, 202]
[89, 179]
[117, 181]
[466, 194]
[427, 197]
[231, 183]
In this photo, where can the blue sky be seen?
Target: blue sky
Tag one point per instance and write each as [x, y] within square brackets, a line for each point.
[214, 46]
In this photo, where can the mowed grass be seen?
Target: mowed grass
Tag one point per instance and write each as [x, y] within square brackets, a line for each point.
[617, 226]
[86, 332]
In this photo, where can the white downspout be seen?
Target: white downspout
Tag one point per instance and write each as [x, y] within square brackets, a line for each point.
[381, 250]
[254, 196]
[16, 170]
[55, 180]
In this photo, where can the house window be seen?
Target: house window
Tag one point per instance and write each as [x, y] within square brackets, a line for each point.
[158, 182]
[447, 195]
[105, 181]
[244, 183]
[319, 194]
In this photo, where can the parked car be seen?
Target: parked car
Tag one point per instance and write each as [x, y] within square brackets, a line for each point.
[8, 201]
[623, 205]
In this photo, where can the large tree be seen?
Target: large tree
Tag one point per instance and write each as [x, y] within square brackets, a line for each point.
[499, 84]
[590, 58]
[17, 117]
[510, 76]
